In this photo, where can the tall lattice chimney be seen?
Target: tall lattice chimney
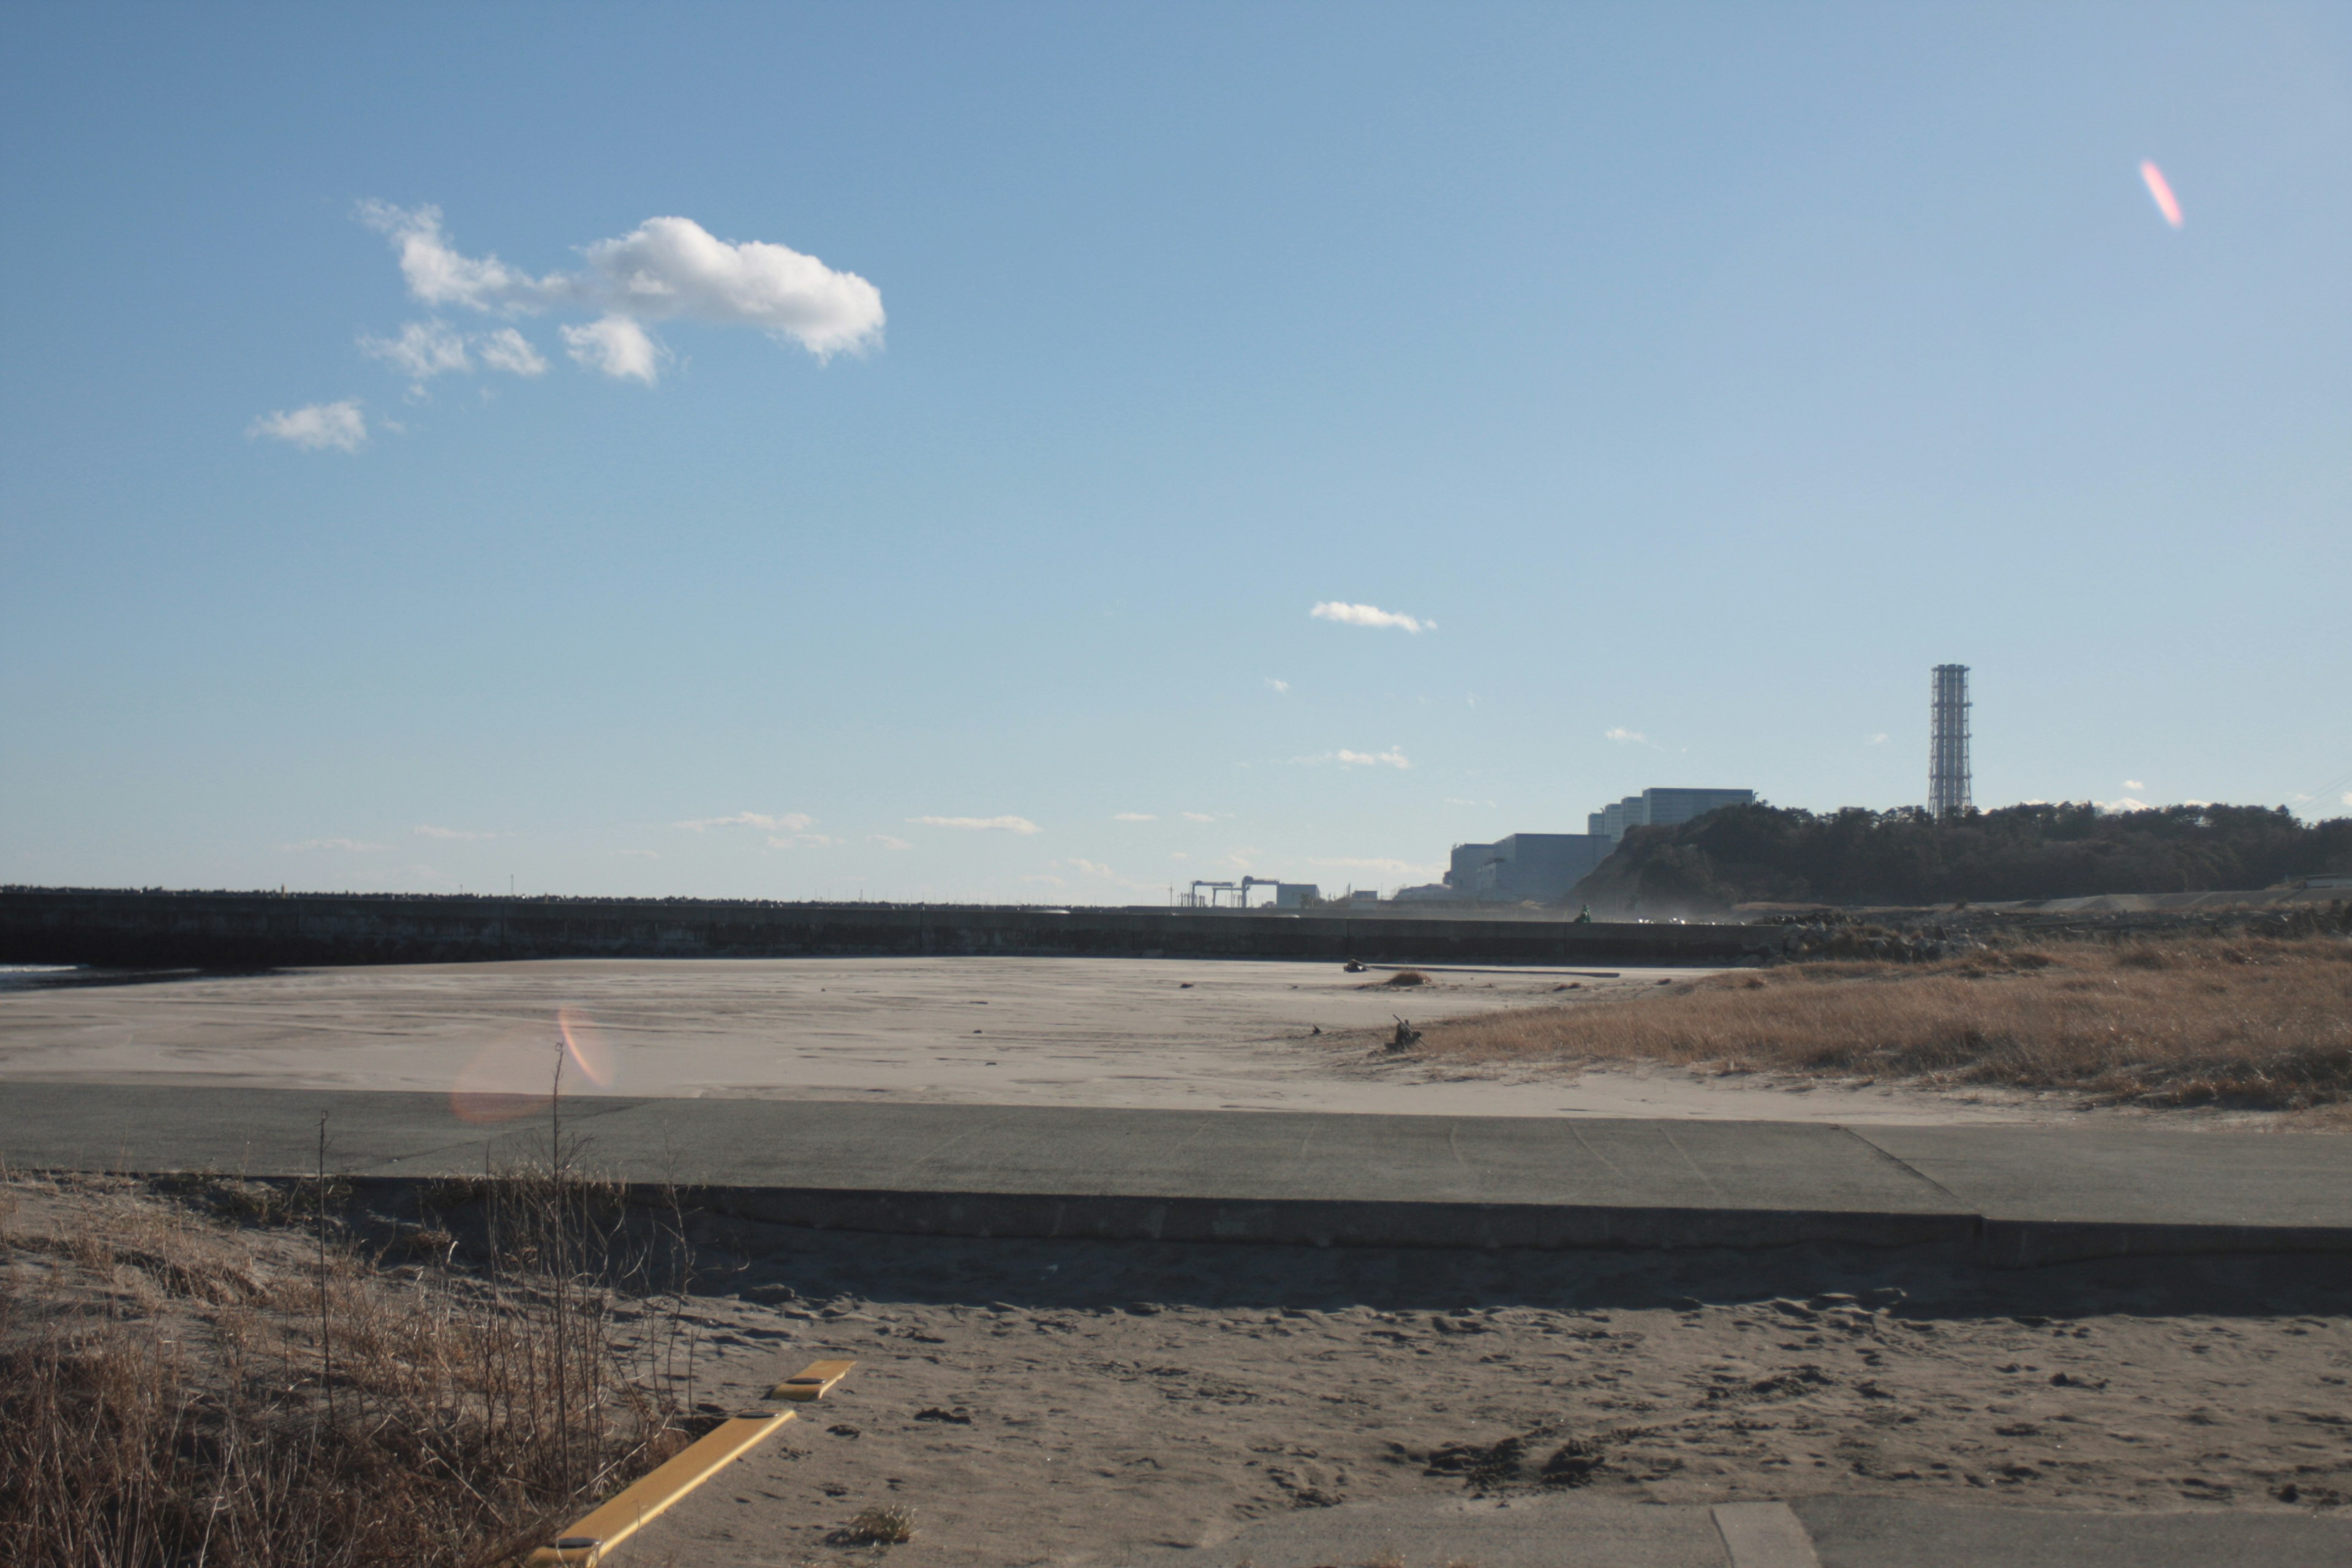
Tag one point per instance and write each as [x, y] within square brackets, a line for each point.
[1947, 746]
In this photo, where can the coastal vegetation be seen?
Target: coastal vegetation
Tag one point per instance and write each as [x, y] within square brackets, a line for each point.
[1764, 854]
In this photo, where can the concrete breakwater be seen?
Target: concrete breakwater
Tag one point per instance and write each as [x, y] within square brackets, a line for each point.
[248, 930]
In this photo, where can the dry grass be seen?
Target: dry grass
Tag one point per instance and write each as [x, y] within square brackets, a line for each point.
[219, 1375]
[2254, 1023]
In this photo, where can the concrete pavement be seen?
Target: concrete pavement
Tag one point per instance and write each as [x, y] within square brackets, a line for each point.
[2022, 1196]
[1807, 1533]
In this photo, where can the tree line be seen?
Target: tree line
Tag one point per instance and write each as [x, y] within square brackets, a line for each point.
[1749, 854]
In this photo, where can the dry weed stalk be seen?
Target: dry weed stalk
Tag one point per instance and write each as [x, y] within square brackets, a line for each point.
[2246, 1022]
[175, 1388]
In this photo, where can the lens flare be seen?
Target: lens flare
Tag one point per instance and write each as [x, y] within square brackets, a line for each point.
[584, 1045]
[518, 1072]
[2161, 189]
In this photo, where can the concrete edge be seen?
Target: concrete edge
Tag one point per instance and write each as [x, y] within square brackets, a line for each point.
[2038, 1244]
[1456, 1225]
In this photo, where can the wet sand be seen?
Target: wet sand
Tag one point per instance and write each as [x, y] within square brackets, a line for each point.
[1010, 1031]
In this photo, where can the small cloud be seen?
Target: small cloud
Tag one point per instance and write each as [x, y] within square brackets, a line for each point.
[1625, 737]
[316, 426]
[889, 841]
[790, 822]
[1369, 615]
[1020, 824]
[2133, 785]
[1276, 686]
[511, 351]
[2116, 807]
[617, 346]
[1178, 854]
[423, 351]
[355, 845]
[452, 833]
[1877, 740]
[665, 268]
[1392, 758]
[1045, 881]
[1093, 869]
[1133, 816]
[1197, 815]
[2348, 797]
[799, 840]
[639, 854]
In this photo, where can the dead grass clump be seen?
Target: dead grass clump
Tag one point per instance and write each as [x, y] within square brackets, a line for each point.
[893, 1525]
[177, 1386]
[1407, 977]
[2256, 1022]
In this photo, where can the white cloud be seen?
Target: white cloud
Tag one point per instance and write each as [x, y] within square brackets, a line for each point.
[889, 841]
[2114, 807]
[639, 854]
[317, 427]
[1276, 686]
[674, 267]
[509, 350]
[801, 840]
[1878, 740]
[1198, 816]
[1625, 737]
[2133, 785]
[665, 268]
[2348, 797]
[455, 832]
[1094, 868]
[617, 346]
[790, 822]
[438, 275]
[1020, 824]
[1133, 816]
[423, 351]
[1369, 615]
[356, 846]
[1392, 758]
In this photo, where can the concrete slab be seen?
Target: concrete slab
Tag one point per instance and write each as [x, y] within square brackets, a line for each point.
[1844, 1532]
[1272, 1176]
[1895, 1532]
[2050, 1194]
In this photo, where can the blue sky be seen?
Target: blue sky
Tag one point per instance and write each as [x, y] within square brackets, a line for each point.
[1695, 377]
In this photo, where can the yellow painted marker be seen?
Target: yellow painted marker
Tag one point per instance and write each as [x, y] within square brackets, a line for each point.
[813, 1381]
[585, 1543]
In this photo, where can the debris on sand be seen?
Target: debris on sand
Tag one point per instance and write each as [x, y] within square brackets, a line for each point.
[1405, 1038]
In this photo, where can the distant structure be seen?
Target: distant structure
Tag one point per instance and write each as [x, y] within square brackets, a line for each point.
[1661, 808]
[1539, 865]
[1947, 743]
[1542, 868]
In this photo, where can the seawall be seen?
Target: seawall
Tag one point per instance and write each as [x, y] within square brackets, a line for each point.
[156, 929]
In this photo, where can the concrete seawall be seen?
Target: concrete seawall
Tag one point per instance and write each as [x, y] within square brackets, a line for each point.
[227, 931]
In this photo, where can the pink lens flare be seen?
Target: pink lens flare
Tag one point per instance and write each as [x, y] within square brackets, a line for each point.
[514, 1074]
[584, 1045]
[2161, 189]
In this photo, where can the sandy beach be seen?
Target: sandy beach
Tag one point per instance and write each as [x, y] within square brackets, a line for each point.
[1141, 1032]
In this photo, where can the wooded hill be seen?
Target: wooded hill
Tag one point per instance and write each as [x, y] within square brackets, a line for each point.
[1748, 854]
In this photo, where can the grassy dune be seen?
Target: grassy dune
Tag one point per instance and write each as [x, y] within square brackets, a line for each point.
[218, 1373]
[2251, 1023]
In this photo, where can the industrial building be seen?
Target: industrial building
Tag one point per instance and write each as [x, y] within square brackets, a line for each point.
[1542, 868]
[1661, 808]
